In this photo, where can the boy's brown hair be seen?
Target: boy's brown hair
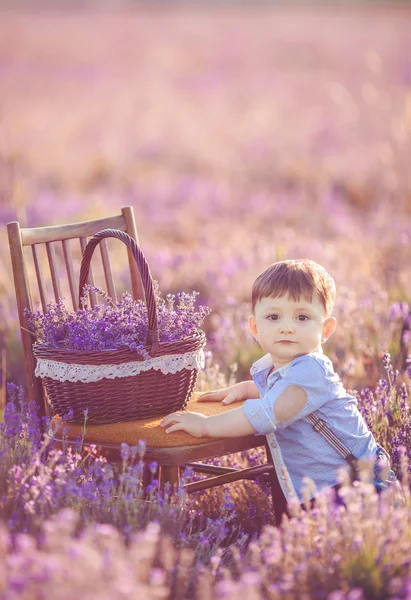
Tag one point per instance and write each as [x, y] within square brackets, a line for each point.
[296, 278]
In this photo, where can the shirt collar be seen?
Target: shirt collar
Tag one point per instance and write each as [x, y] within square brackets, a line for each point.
[265, 363]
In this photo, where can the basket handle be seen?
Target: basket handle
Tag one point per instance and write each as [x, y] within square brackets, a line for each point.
[152, 335]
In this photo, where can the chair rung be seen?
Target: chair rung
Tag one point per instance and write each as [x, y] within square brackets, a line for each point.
[236, 475]
[216, 470]
[210, 469]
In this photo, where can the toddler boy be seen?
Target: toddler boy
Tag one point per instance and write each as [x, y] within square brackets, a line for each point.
[292, 303]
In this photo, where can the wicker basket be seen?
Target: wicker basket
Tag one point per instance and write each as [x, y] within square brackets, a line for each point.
[125, 398]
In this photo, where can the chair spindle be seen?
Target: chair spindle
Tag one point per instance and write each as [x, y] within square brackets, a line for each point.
[39, 276]
[51, 254]
[107, 270]
[70, 273]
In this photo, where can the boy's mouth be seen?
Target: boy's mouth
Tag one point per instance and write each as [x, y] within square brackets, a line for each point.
[286, 342]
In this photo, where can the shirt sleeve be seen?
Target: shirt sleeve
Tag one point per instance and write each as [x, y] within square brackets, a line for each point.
[306, 372]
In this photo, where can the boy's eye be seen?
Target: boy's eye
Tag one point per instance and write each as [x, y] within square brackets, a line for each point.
[272, 317]
[303, 318]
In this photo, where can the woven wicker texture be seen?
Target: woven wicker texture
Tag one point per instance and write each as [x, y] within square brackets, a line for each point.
[148, 429]
[141, 396]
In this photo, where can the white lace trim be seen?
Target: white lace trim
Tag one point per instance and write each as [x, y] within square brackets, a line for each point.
[171, 363]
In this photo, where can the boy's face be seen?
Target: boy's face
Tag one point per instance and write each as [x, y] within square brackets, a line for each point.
[286, 329]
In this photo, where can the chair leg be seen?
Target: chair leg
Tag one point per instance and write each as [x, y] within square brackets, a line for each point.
[147, 477]
[170, 474]
[277, 495]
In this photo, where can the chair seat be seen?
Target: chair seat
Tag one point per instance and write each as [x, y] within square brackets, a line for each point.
[167, 448]
[130, 432]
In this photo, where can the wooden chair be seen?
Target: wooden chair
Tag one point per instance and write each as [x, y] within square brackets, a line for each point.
[169, 451]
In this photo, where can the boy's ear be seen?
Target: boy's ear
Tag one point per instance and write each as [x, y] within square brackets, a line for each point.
[328, 328]
[252, 326]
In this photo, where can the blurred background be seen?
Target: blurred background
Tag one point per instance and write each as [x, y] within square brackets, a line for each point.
[241, 133]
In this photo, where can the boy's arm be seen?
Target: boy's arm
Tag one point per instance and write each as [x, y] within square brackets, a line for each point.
[238, 392]
[290, 403]
[233, 423]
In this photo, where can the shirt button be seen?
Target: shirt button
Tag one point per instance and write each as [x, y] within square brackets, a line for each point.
[254, 369]
[273, 444]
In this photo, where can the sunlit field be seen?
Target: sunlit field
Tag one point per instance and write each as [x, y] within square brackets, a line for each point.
[240, 136]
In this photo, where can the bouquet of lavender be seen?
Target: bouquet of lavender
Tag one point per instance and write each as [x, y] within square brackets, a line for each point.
[121, 324]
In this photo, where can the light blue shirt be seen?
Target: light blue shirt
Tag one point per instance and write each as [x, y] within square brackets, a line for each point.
[298, 451]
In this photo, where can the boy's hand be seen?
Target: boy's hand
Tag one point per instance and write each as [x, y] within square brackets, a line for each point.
[224, 395]
[235, 393]
[191, 422]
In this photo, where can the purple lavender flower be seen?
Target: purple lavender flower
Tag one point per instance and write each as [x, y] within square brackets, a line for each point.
[123, 324]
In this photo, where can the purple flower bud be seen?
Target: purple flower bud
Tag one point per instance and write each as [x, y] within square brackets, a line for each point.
[153, 467]
[141, 448]
[125, 451]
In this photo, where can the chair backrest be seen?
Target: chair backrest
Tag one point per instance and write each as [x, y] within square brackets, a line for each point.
[52, 245]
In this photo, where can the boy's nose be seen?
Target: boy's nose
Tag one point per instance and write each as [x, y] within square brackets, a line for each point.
[287, 327]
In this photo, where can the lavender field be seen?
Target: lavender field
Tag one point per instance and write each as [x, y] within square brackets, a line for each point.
[240, 136]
